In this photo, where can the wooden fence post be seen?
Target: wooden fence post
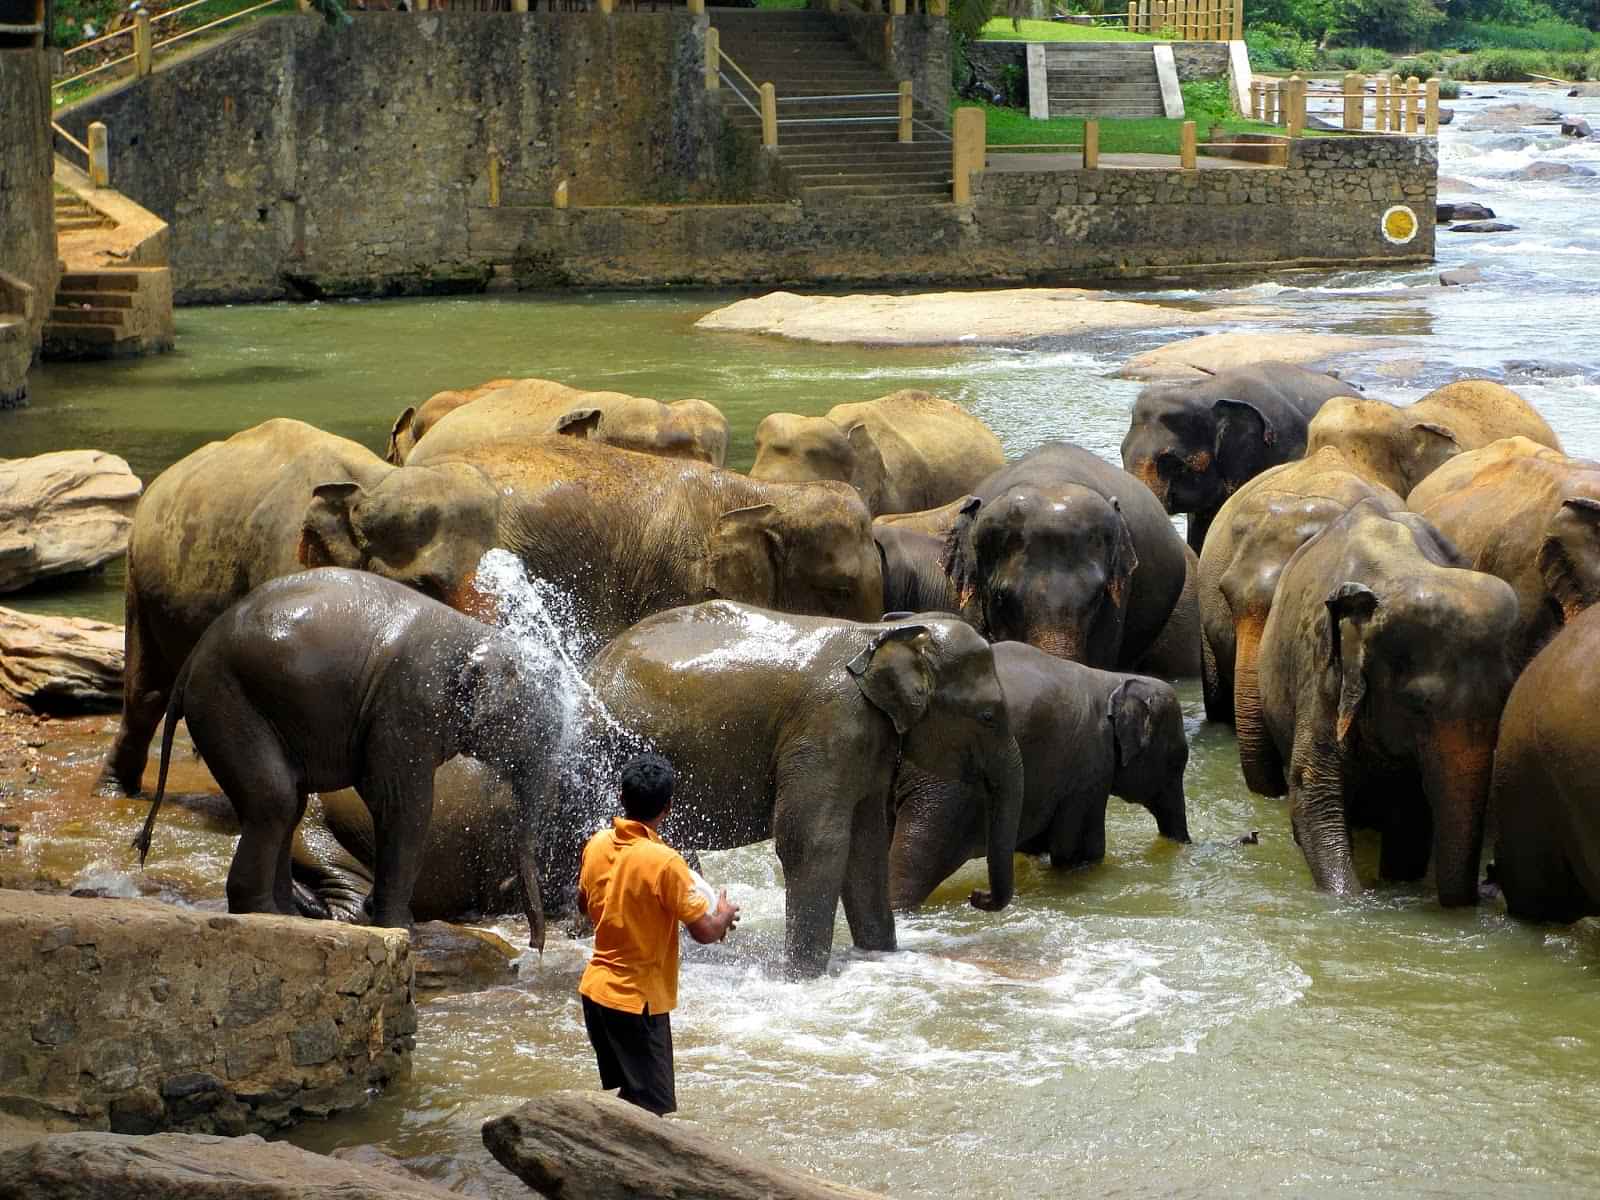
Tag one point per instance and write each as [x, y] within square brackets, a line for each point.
[695, 6]
[769, 116]
[1091, 144]
[1432, 123]
[144, 51]
[897, 8]
[905, 110]
[1238, 19]
[1256, 88]
[1186, 154]
[1380, 109]
[99, 155]
[560, 197]
[967, 151]
[302, 6]
[1396, 99]
[937, 8]
[1413, 99]
[713, 59]
[1355, 101]
[608, 6]
[1294, 118]
[517, 6]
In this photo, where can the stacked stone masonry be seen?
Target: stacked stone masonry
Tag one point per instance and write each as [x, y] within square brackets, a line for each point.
[27, 214]
[987, 61]
[136, 1016]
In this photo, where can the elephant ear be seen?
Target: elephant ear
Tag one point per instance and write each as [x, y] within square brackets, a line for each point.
[1124, 558]
[1569, 557]
[1353, 602]
[956, 560]
[742, 560]
[328, 536]
[1132, 719]
[579, 423]
[402, 424]
[1435, 444]
[867, 473]
[1247, 440]
[894, 673]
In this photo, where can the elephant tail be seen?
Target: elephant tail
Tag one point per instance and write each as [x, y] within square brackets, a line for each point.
[141, 843]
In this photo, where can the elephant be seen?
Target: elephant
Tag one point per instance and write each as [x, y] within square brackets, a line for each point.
[1066, 552]
[903, 452]
[527, 408]
[1383, 672]
[330, 679]
[1255, 533]
[1083, 735]
[410, 426]
[1196, 443]
[913, 547]
[1530, 515]
[231, 516]
[1546, 790]
[1400, 447]
[469, 862]
[1176, 654]
[793, 728]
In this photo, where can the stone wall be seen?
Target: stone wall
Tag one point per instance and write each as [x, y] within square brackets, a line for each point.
[301, 160]
[135, 1016]
[1024, 226]
[27, 214]
[1200, 60]
[1195, 60]
[914, 47]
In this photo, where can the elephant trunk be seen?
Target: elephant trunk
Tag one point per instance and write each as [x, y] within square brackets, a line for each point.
[936, 829]
[1261, 774]
[1005, 786]
[1321, 829]
[1457, 765]
[1060, 641]
[530, 802]
[1148, 473]
[1172, 817]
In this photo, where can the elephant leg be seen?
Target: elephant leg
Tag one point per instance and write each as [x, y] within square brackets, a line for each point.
[1317, 813]
[283, 877]
[866, 879]
[1078, 835]
[400, 796]
[1258, 755]
[249, 762]
[815, 859]
[147, 681]
[1218, 691]
[1407, 836]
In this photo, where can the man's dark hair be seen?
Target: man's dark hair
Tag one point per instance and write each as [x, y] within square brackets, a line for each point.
[646, 787]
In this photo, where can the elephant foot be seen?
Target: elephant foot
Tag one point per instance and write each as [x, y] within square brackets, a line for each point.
[116, 785]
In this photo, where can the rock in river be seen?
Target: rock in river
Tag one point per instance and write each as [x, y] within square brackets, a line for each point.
[61, 664]
[1465, 211]
[1574, 126]
[1482, 227]
[1514, 116]
[1460, 276]
[1197, 357]
[63, 513]
[1551, 170]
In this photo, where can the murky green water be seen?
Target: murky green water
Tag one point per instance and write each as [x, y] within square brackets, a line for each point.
[1177, 1021]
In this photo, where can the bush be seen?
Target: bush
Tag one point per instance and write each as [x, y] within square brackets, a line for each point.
[1449, 89]
[1206, 102]
[1277, 48]
[1498, 66]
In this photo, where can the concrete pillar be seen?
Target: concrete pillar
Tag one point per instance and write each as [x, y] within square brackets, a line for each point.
[1186, 150]
[99, 155]
[967, 151]
[144, 49]
[1413, 97]
[560, 197]
[769, 116]
[1355, 100]
[713, 60]
[1432, 124]
[905, 110]
[1091, 144]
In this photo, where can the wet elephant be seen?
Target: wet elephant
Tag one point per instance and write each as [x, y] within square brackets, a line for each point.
[1399, 447]
[793, 728]
[915, 550]
[1383, 672]
[1255, 533]
[1083, 735]
[1530, 515]
[903, 452]
[1066, 552]
[1176, 653]
[1196, 443]
[1546, 794]
[415, 421]
[331, 679]
[520, 409]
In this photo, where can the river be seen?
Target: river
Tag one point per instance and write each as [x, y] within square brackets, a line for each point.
[1178, 1021]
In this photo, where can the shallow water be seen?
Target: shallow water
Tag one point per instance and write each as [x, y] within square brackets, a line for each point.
[1177, 1021]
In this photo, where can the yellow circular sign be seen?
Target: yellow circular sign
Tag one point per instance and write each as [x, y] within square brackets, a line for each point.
[1399, 225]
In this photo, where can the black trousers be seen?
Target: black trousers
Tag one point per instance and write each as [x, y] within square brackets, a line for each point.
[634, 1051]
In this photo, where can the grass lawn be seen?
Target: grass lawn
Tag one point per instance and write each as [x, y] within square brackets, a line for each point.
[1118, 135]
[1001, 29]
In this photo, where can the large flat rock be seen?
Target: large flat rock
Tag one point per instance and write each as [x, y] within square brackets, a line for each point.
[1197, 357]
[1005, 317]
[62, 514]
[138, 1017]
[61, 664]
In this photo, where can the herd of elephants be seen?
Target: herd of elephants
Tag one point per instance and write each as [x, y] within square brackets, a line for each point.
[886, 647]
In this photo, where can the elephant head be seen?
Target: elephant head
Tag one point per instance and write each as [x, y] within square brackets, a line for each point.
[1150, 751]
[1052, 570]
[1569, 556]
[935, 680]
[808, 549]
[426, 527]
[691, 429]
[795, 449]
[1385, 444]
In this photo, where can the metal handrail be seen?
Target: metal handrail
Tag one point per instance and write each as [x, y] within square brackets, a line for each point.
[734, 87]
[833, 120]
[723, 55]
[933, 129]
[22, 30]
[840, 96]
[243, 12]
[105, 66]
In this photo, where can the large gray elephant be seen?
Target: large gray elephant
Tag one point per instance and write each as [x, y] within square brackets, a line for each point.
[330, 679]
[1530, 515]
[1083, 735]
[1546, 793]
[903, 452]
[793, 728]
[1066, 552]
[1383, 671]
[1196, 443]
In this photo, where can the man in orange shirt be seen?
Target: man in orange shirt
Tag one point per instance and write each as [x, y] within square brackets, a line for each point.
[636, 889]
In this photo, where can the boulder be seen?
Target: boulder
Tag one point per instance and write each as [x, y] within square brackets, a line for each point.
[1197, 357]
[1482, 227]
[1460, 276]
[1446, 115]
[63, 513]
[1551, 170]
[1574, 126]
[1466, 211]
[1585, 89]
[139, 1017]
[458, 958]
[1514, 116]
[593, 1146]
[61, 664]
[178, 1166]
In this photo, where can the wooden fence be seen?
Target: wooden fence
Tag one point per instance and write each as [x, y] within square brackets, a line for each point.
[1188, 20]
[1398, 105]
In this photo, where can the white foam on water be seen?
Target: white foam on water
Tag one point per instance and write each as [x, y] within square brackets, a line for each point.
[1534, 247]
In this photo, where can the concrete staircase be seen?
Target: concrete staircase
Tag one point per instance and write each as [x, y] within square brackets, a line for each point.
[113, 312]
[807, 59]
[1102, 79]
[73, 214]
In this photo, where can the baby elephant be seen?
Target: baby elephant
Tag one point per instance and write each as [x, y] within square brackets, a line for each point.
[334, 678]
[1084, 734]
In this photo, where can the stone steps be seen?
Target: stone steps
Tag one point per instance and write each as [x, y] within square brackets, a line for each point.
[105, 313]
[1103, 80]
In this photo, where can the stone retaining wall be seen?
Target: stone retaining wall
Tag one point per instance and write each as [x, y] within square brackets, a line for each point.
[915, 47]
[1195, 60]
[27, 213]
[136, 1016]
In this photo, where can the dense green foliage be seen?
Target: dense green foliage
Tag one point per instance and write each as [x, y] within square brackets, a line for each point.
[1147, 135]
[1302, 34]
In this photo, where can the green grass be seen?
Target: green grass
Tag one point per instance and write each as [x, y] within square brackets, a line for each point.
[1118, 135]
[1001, 29]
[788, 4]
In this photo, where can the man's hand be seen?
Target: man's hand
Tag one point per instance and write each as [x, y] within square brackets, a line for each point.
[716, 924]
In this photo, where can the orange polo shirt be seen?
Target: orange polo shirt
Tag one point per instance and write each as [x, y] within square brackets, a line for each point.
[637, 889]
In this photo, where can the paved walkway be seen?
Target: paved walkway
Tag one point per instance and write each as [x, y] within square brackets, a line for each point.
[1073, 161]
